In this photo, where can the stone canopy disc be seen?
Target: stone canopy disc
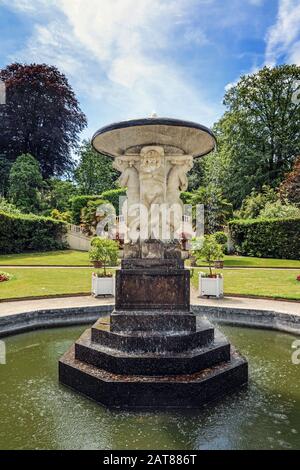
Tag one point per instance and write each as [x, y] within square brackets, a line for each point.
[176, 136]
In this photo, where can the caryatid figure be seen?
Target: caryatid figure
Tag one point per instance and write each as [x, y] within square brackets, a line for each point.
[152, 183]
[177, 182]
[130, 179]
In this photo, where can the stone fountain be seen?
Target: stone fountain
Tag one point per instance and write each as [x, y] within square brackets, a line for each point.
[153, 352]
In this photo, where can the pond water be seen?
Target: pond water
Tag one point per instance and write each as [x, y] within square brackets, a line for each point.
[38, 413]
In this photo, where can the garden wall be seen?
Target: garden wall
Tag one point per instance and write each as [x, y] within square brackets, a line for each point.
[267, 238]
[19, 233]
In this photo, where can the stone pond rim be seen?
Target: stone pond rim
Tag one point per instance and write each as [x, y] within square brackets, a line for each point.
[190, 137]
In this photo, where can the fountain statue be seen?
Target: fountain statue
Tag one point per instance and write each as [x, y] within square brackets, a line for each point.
[153, 352]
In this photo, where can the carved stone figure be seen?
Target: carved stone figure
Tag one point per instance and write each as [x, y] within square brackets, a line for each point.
[153, 187]
[177, 182]
[130, 179]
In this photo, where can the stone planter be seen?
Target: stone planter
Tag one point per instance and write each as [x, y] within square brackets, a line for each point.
[103, 286]
[211, 287]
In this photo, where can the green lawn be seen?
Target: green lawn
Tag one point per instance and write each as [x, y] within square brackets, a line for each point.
[241, 261]
[260, 282]
[42, 282]
[79, 258]
[52, 258]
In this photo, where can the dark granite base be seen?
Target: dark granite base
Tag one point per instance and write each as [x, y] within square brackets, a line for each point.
[162, 340]
[132, 392]
[152, 352]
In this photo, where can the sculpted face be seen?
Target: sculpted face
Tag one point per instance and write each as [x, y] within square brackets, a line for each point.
[151, 161]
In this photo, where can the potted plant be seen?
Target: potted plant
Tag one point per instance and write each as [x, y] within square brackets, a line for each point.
[105, 252]
[222, 239]
[209, 249]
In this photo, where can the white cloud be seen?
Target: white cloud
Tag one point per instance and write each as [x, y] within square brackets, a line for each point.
[283, 36]
[117, 53]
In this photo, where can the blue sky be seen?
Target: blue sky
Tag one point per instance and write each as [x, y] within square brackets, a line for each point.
[128, 58]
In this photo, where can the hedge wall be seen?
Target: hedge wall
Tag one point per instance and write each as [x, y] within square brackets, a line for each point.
[112, 196]
[77, 204]
[19, 233]
[267, 238]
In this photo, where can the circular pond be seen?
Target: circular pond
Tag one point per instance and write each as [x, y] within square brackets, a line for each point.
[38, 413]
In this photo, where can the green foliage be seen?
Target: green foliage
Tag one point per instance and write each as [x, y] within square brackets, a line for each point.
[186, 197]
[113, 196]
[25, 180]
[269, 238]
[279, 210]
[77, 203]
[217, 209]
[256, 202]
[89, 217]
[95, 173]
[197, 174]
[207, 249]
[62, 216]
[104, 250]
[58, 194]
[259, 134]
[5, 166]
[21, 233]
[221, 238]
[5, 206]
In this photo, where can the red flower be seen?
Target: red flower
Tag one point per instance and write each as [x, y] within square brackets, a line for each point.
[298, 278]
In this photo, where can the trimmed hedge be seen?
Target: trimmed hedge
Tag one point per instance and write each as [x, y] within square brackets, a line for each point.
[20, 233]
[112, 196]
[77, 204]
[267, 238]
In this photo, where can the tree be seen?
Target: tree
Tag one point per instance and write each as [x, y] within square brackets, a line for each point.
[259, 134]
[217, 210]
[58, 194]
[25, 180]
[196, 175]
[94, 173]
[104, 251]
[207, 249]
[41, 117]
[256, 201]
[5, 166]
[290, 188]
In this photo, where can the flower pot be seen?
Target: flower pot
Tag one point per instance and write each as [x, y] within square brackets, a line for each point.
[211, 287]
[103, 286]
[219, 264]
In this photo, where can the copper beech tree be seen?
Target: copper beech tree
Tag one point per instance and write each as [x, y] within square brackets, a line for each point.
[41, 117]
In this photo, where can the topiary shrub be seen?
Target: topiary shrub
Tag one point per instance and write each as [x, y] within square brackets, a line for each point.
[113, 196]
[20, 233]
[78, 203]
[267, 238]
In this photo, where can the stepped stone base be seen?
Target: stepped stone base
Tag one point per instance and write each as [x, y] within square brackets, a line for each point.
[162, 356]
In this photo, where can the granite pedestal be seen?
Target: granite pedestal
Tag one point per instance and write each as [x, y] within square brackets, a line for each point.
[152, 352]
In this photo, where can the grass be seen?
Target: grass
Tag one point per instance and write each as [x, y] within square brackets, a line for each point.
[80, 258]
[43, 282]
[51, 258]
[264, 283]
[244, 261]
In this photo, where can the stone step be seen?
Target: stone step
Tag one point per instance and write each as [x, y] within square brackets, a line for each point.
[148, 321]
[142, 363]
[131, 392]
[157, 341]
